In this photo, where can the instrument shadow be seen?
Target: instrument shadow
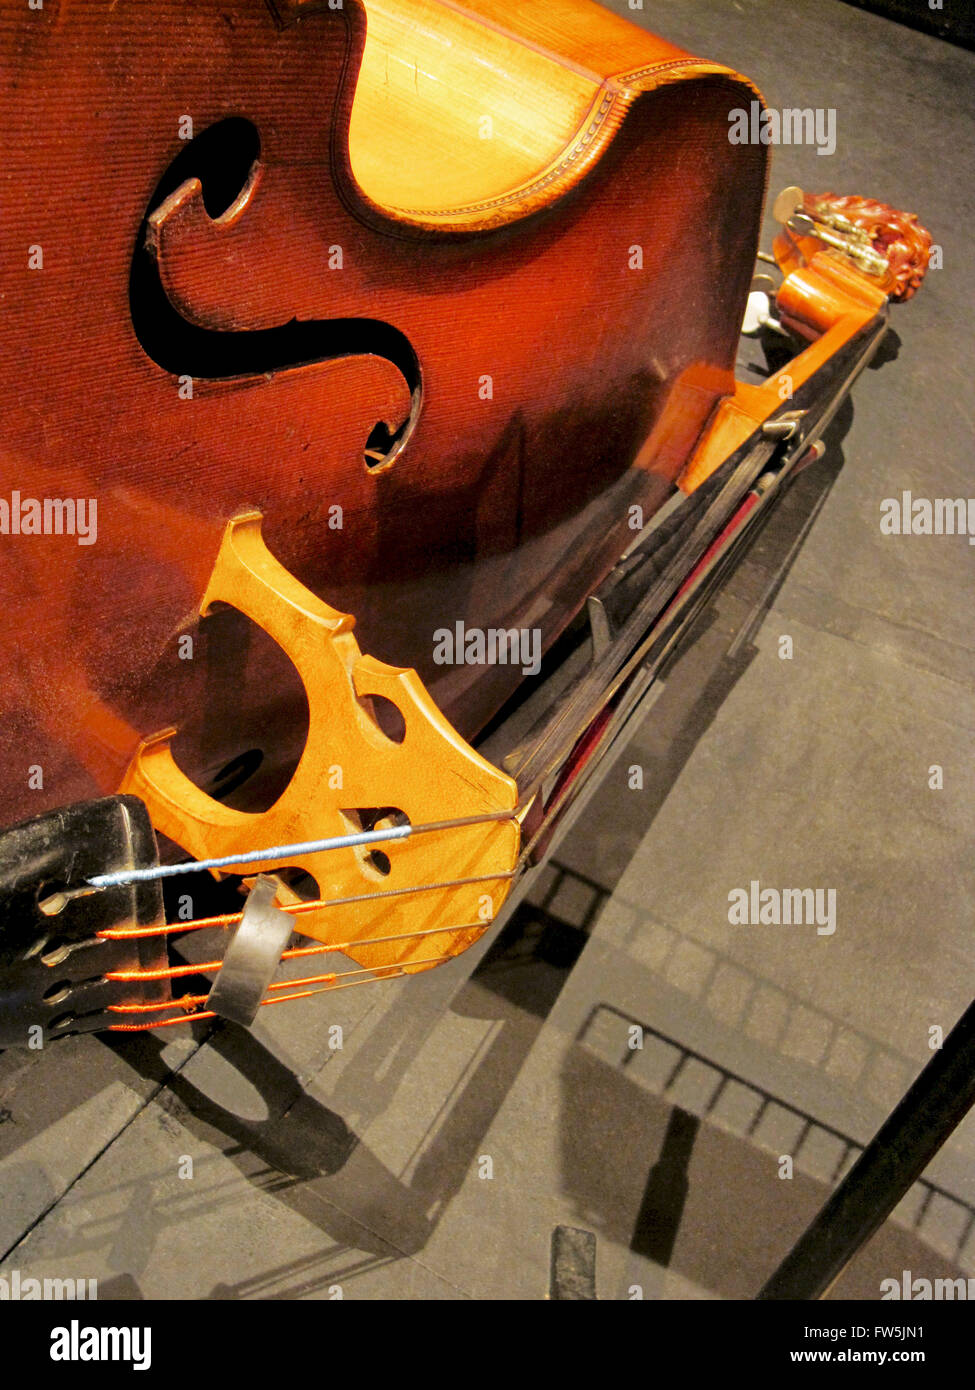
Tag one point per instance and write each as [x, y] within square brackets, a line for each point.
[309, 1153]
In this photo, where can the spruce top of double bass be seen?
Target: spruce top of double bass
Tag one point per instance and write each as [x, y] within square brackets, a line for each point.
[469, 116]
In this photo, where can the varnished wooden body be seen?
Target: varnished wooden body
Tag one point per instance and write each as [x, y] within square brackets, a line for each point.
[501, 509]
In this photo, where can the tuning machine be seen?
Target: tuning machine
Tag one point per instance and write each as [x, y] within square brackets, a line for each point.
[758, 313]
[787, 204]
[832, 228]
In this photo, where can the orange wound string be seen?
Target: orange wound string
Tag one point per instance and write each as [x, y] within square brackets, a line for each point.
[159, 1023]
[227, 919]
[184, 1000]
[175, 972]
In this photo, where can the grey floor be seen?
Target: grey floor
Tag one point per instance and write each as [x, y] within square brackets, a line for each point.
[473, 1110]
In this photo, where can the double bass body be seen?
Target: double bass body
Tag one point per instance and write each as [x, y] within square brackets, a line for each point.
[441, 294]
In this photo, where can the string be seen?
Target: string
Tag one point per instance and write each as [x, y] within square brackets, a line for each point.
[227, 919]
[175, 972]
[276, 986]
[323, 983]
[276, 853]
[374, 979]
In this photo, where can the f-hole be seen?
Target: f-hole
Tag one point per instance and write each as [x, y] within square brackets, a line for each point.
[226, 158]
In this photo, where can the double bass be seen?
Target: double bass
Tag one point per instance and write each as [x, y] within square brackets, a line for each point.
[372, 435]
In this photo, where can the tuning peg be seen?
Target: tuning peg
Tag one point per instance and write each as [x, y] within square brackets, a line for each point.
[802, 223]
[757, 315]
[855, 244]
[788, 202]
